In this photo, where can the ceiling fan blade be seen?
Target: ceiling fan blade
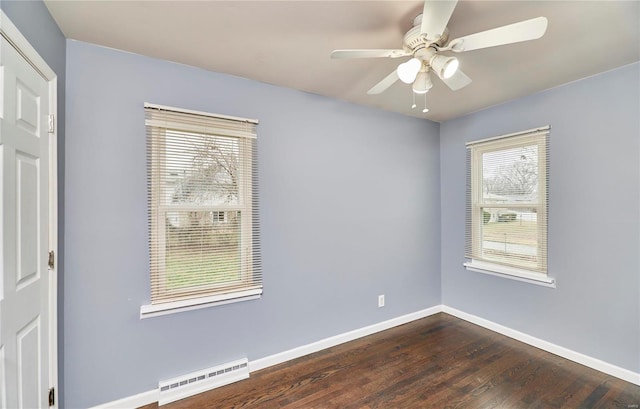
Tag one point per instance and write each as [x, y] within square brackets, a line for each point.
[435, 17]
[512, 33]
[373, 53]
[457, 81]
[388, 81]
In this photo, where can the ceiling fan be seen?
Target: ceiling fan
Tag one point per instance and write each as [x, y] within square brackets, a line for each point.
[429, 37]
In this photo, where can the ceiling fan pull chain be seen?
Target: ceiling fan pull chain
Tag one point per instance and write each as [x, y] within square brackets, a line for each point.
[414, 99]
[425, 110]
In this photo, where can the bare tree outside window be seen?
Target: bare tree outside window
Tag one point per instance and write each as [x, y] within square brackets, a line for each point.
[205, 176]
[511, 173]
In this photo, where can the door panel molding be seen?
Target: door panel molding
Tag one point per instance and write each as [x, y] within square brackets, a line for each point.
[28, 118]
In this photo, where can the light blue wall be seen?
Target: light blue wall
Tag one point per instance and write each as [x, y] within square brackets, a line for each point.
[594, 230]
[350, 208]
[33, 20]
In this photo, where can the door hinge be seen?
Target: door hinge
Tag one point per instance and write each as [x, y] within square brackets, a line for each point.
[52, 397]
[52, 259]
[51, 123]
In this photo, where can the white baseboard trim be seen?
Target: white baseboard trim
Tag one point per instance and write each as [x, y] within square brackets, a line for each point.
[294, 353]
[148, 397]
[569, 354]
[151, 396]
[131, 402]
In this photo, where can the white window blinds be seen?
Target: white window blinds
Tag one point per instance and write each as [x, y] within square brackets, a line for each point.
[203, 206]
[507, 199]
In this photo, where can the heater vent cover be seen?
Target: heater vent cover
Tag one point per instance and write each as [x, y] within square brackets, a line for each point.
[193, 383]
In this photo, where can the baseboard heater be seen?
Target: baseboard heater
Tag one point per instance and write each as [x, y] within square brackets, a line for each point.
[193, 383]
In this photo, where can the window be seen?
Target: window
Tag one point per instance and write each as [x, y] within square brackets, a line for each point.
[219, 217]
[203, 214]
[507, 205]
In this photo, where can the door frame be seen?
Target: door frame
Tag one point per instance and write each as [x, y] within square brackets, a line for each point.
[11, 33]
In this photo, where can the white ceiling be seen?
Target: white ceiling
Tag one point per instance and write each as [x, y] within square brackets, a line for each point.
[288, 43]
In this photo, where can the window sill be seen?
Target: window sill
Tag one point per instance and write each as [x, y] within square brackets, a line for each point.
[156, 310]
[511, 273]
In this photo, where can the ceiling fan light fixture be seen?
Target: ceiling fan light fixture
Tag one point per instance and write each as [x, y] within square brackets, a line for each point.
[429, 36]
[407, 71]
[423, 83]
[444, 66]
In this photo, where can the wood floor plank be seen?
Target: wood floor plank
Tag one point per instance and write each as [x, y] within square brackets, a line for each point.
[436, 362]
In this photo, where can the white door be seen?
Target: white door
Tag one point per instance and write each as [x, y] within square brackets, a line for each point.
[24, 229]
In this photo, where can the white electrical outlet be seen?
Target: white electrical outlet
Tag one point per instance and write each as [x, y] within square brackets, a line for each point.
[381, 300]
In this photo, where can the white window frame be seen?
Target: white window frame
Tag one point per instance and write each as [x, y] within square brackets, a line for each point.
[247, 289]
[531, 137]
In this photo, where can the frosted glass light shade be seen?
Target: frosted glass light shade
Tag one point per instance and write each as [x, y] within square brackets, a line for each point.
[423, 83]
[407, 71]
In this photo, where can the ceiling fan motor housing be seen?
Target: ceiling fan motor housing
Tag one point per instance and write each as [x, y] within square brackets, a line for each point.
[414, 40]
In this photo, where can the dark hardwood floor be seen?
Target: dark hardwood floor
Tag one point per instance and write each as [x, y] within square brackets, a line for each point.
[436, 362]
